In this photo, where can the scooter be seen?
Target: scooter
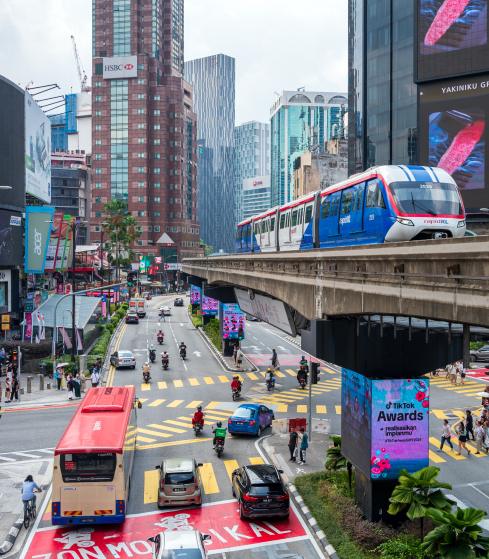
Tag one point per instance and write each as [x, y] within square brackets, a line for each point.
[219, 446]
[160, 339]
[302, 382]
[146, 376]
[183, 352]
[270, 384]
[165, 362]
[152, 356]
[198, 427]
[236, 393]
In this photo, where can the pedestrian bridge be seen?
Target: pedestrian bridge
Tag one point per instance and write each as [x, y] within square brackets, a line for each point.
[444, 280]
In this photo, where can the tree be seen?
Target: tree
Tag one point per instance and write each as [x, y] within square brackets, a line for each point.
[457, 536]
[335, 460]
[207, 248]
[122, 229]
[420, 491]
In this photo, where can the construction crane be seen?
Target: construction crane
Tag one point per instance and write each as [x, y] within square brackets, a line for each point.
[81, 72]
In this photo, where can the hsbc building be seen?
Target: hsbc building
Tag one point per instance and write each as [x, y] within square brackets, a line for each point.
[120, 67]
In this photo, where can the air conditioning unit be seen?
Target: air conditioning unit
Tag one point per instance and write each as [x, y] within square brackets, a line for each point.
[82, 152]
[77, 151]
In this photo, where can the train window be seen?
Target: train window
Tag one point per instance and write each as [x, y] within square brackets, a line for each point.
[238, 233]
[375, 199]
[257, 228]
[346, 203]
[294, 218]
[272, 224]
[325, 209]
[287, 220]
[282, 221]
[354, 203]
[301, 212]
[360, 199]
[308, 213]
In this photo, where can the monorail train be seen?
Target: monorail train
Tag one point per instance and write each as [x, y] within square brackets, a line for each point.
[389, 203]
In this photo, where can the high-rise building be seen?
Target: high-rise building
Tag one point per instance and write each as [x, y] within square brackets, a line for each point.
[256, 196]
[213, 81]
[298, 123]
[72, 130]
[252, 143]
[143, 127]
[382, 96]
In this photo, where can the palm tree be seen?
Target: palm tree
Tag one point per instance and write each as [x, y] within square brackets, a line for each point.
[457, 536]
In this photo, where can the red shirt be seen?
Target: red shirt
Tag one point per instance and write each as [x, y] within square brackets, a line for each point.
[199, 416]
[235, 385]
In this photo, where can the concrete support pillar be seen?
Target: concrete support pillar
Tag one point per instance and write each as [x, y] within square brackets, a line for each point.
[29, 383]
[466, 346]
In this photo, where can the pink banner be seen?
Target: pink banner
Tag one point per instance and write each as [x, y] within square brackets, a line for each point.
[78, 340]
[28, 328]
[66, 338]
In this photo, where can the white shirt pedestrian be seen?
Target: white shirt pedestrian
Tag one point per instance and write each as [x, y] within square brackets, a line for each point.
[95, 378]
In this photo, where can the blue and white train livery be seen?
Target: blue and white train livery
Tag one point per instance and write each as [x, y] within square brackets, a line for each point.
[389, 203]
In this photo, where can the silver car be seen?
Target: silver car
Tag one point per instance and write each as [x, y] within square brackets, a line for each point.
[179, 544]
[179, 483]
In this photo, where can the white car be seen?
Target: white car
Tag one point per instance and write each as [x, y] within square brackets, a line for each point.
[188, 544]
[166, 311]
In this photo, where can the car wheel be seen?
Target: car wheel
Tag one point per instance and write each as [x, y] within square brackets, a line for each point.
[241, 515]
[258, 433]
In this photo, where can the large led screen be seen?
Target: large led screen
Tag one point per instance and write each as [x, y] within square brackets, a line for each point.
[231, 321]
[195, 295]
[209, 306]
[11, 249]
[451, 38]
[452, 118]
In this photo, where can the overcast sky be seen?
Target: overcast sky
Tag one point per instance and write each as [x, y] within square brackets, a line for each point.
[278, 44]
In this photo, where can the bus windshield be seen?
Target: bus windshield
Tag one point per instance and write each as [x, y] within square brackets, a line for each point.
[431, 198]
[88, 466]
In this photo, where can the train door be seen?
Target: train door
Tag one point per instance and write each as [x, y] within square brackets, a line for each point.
[308, 235]
[323, 221]
[285, 230]
[357, 209]
[247, 238]
[239, 232]
[295, 228]
[273, 232]
[346, 216]
[375, 213]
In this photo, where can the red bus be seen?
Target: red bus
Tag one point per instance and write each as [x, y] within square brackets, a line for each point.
[94, 458]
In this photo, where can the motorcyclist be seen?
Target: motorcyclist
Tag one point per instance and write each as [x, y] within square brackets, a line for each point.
[152, 352]
[165, 357]
[219, 433]
[160, 335]
[183, 348]
[147, 369]
[269, 376]
[198, 417]
[302, 375]
[236, 384]
[304, 364]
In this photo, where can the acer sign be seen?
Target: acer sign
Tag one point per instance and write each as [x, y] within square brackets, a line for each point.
[120, 67]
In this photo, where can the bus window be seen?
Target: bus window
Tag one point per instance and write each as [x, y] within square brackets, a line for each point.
[375, 199]
[308, 213]
[88, 467]
[346, 204]
[282, 221]
[294, 218]
[360, 199]
[272, 224]
[354, 203]
[301, 212]
[325, 209]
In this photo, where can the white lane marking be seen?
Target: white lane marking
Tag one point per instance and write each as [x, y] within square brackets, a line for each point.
[8, 459]
[25, 454]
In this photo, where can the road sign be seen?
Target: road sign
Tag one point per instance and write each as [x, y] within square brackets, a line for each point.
[173, 267]
[29, 305]
[5, 318]
[5, 326]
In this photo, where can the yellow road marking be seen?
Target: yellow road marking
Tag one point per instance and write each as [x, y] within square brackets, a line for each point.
[172, 443]
[278, 374]
[263, 373]
[435, 457]
[162, 385]
[338, 410]
[222, 378]
[252, 376]
[179, 423]
[453, 454]
[208, 479]
[194, 404]
[239, 377]
[178, 383]
[216, 417]
[439, 414]
[291, 372]
[142, 400]
[156, 403]
[223, 413]
[230, 466]
[212, 405]
[256, 461]
[174, 404]
[172, 429]
[151, 479]
[459, 414]
[193, 382]
[145, 386]
[321, 409]
[209, 380]
[129, 385]
[146, 440]
[153, 433]
[282, 408]
[301, 409]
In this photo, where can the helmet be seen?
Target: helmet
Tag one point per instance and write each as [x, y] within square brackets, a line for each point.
[199, 408]
[160, 332]
[182, 343]
[269, 370]
[219, 424]
[146, 363]
[303, 357]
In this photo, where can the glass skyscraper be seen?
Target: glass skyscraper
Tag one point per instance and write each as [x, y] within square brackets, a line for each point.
[298, 123]
[382, 98]
[213, 82]
[252, 142]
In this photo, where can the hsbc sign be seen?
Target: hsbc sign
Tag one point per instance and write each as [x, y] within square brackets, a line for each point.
[120, 67]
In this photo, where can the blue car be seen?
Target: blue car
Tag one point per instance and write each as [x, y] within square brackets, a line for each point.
[250, 419]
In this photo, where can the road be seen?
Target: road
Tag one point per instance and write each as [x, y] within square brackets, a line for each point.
[164, 431]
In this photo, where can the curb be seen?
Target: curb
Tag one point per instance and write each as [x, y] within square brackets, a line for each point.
[12, 536]
[330, 550]
[292, 341]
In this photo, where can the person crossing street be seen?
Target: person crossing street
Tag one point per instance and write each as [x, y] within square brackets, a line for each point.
[445, 436]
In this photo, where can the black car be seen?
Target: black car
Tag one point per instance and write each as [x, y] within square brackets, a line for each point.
[132, 318]
[260, 492]
[178, 303]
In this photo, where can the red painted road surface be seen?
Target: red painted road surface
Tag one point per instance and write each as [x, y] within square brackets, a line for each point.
[220, 520]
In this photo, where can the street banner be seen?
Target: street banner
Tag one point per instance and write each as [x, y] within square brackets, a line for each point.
[28, 325]
[69, 245]
[53, 242]
[104, 305]
[66, 338]
[37, 232]
[62, 242]
[79, 345]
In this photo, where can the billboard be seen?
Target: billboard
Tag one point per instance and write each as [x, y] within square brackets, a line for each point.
[37, 233]
[195, 293]
[231, 321]
[53, 242]
[11, 246]
[120, 67]
[209, 306]
[37, 150]
[452, 129]
[451, 38]
[385, 424]
[63, 235]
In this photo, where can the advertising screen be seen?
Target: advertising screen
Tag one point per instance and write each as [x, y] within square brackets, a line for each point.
[451, 37]
[452, 129]
[11, 246]
[195, 295]
[37, 232]
[209, 306]
[53, 242]
[37, 150]
[231, 321]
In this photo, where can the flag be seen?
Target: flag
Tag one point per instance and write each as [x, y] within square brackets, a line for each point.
[79, 344]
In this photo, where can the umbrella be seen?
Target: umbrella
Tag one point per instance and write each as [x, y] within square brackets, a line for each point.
[62, 364]
[483, 394]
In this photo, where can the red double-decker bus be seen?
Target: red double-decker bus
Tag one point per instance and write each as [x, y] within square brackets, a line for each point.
[94, 458]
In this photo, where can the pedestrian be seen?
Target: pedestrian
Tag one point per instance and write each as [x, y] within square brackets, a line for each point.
[447, 370]
[57, 376]
[480, 436]
[95, 377]
[77, 386]
[485, 440]
[469, 425]
[71, 386]
[274, 359]
[293, 437]
[462, 438]
[235, 354]
[7, 391]
[462, 372]
[15, 387]
[304, 444]
[483, 418]
[240, 359]
[2, 357]
[485, 398]
[445, 436]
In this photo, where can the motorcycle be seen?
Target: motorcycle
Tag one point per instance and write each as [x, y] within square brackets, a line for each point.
[302, 382]
[152, 356]
[146, 376]
[236, 393]
[270, 384]
[198, 427]
[183, 352]
[219, 446]
[160, 339]
[165, 362]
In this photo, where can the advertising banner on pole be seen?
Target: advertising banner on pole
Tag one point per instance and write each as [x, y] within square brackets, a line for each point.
[69, 246]
[209, 306]
[66, 338]
[195, 293]
[63, 235]
[53, 242]
[28, 325]
[37, 233]
[231, 321]
[79, 344]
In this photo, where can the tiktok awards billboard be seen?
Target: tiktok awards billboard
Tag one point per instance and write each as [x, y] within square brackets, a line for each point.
[385, 424]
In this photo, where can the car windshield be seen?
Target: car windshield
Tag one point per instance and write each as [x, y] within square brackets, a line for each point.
[244, 413]
[181, 554]
[180, 478]
[272, 489]
[125, 354]
[426, 198]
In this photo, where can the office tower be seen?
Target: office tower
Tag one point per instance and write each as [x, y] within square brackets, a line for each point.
[382, 96]
[256, 196]
[144, 129]
[252, 144]
[297, 124]
[213, 81]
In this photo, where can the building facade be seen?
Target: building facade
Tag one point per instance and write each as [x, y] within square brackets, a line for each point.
[298, 123]
[382, 96]
[252, 143]
[144, 129]
[256, 196]
[213, 82]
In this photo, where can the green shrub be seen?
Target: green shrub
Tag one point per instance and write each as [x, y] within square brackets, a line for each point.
[112, 308]
[49, 366]
[197, 321]
[110, 327]
[404, 546]
[125, 306]
[114, 321]
[212, 331]
[102, 328]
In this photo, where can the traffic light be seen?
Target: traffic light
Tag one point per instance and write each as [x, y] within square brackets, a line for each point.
[130, 279]
[59, 349]
[314, 372]
[240, 333]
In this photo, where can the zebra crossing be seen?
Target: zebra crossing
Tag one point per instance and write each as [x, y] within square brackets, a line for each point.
[21, 456]
[468, 388]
